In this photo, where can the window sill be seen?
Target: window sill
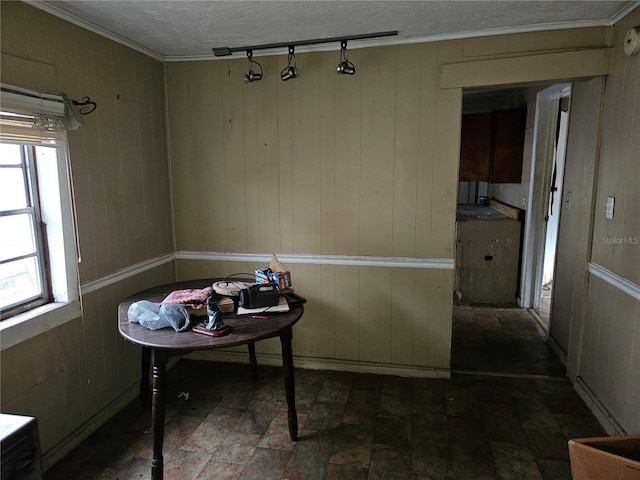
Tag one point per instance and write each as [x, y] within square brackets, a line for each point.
[29, 324]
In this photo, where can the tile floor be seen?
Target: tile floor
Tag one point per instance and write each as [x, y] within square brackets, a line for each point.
[506, 413]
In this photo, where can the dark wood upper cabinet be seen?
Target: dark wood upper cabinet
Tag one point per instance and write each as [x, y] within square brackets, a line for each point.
[475, 147]
[492, 146]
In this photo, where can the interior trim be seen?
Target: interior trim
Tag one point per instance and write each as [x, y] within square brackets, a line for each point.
[351, 260]
[615, 280]
[123, 274]
[310, 363]
[586, 63]
[92, 27]
[264, 258]
[610, 425]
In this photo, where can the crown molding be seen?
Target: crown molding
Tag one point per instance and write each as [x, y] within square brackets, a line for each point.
[58, 12]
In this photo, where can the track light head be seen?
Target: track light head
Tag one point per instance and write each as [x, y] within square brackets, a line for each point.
[252, 76]
[345, 67]
[290, 71]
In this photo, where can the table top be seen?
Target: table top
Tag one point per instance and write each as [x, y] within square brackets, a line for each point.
[245, 329]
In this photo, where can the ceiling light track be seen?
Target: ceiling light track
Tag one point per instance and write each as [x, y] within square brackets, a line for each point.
[226, 51]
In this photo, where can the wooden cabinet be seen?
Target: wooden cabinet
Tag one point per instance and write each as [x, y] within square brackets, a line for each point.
[492, 146]
[487, 254]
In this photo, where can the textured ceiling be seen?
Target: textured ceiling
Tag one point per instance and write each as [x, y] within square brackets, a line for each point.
[190, 29]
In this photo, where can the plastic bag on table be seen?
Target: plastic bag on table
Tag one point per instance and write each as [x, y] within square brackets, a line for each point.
[155, 315]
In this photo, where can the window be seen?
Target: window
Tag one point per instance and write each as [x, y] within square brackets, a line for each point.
[38, 249]
[24, 278]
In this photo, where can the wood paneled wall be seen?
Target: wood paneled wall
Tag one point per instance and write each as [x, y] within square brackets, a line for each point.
[322, 164]
[328, 165]
[610, 353]
[76, 375]
[335, 165]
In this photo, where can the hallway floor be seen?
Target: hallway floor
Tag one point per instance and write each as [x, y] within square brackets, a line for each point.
[480, 424]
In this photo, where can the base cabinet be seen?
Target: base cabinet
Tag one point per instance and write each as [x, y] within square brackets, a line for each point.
[487, 261]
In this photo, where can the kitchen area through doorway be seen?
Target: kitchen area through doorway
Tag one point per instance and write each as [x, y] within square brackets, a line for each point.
[493, 331]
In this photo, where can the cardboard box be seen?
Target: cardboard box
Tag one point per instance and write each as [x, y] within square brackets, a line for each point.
[605, 458]
[282, 279]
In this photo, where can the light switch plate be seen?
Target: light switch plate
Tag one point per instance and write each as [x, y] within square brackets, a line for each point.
[608, 209]
[567, 200]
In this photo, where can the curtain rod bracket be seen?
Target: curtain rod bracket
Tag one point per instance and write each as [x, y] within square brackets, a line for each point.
[86, 105]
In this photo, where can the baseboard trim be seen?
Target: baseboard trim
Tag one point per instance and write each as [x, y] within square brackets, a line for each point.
[555, 346]
[322, 364]
[608, 422]
[80, 434]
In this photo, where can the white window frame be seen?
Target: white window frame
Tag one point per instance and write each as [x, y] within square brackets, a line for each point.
[56, 202]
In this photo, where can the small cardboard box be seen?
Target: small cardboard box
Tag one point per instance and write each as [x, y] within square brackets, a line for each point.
[605, 458]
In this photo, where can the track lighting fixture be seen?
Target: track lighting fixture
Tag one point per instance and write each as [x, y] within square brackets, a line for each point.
[290, 71]
[345, 67]
[252, 76]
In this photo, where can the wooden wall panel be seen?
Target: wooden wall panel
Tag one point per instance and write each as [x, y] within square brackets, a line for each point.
[377, 109]
[347, 151]
[347, 312]
[234, 145]
[608, 361]
[207, 177]
[407, 133]
[328, 111]
[305, 136]
[375, 314]
[121, 184]
[426, 152]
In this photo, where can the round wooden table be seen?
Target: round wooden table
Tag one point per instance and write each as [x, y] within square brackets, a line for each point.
[166, 342]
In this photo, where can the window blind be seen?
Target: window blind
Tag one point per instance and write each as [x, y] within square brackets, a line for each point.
[31, 117]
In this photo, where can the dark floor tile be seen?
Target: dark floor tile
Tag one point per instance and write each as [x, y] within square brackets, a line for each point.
[223, 425]
[361, 407]
[310, 457]
[431, 454]
[325, 416]
[257, 417]
[266, 464]
[514, 462]
[554, 469]
[237, 447]
[352, 444]
[389, 462]
[548, 445]
[185, 465]
[219, 471]
[502, 424]
[393, 431]
[345, 472]
[335, 390]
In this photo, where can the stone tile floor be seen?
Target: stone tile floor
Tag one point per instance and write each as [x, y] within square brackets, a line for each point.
[513, 423]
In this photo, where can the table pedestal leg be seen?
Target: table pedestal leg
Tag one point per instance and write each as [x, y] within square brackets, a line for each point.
[144, 377]
[158, 411]
[289, 386]
[253, 363]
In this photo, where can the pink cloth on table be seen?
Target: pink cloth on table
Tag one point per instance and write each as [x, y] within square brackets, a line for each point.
[191, 297]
